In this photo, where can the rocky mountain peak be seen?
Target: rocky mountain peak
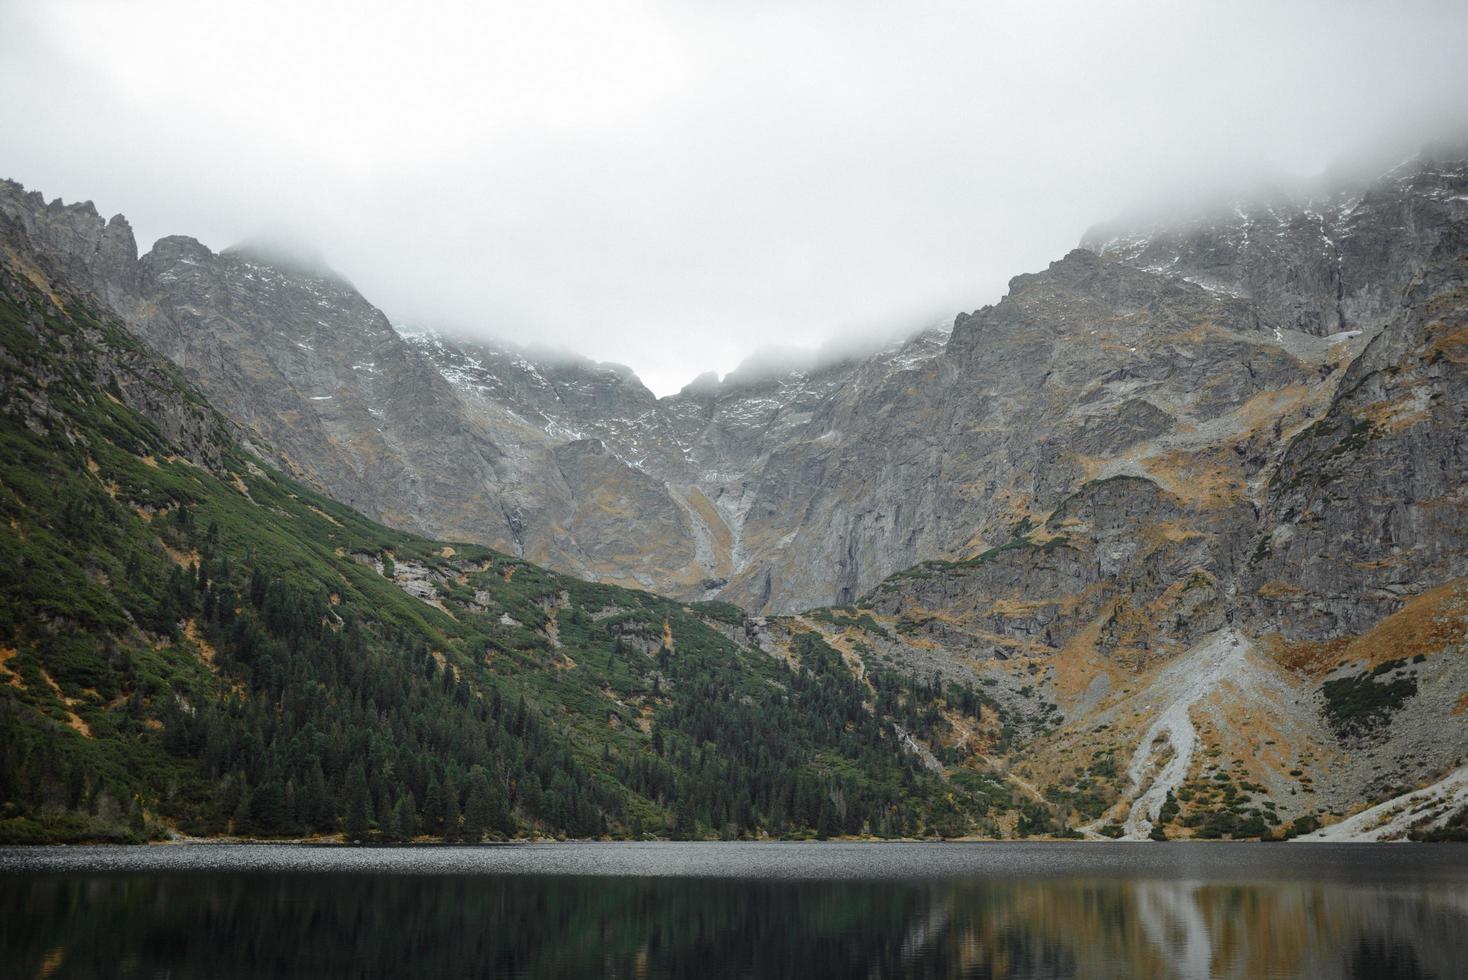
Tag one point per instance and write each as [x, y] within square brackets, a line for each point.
[178, 247]
[1182, 353]
[706, 385]
[74, 241]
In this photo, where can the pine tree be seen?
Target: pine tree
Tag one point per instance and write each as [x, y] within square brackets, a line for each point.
[684, 826]
[450, 809]
[405, 817]
[267, 807]
[315, 801]
[359, 805]
[241, 818]
[433, 805]
[479, 814]
[826, 825]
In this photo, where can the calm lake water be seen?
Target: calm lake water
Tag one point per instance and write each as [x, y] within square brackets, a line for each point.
[737, 910]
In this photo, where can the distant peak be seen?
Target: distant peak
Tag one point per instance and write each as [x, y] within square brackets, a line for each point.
[81, 207]
[703, 385]
[181, 245]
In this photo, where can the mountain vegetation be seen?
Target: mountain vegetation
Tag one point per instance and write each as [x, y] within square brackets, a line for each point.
[194, 643]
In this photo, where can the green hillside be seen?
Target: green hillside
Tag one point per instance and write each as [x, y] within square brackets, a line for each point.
[192, 642]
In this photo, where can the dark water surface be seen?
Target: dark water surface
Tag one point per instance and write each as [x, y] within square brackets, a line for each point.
[737, 910]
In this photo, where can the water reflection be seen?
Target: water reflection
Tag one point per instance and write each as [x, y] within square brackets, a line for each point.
[212, 924]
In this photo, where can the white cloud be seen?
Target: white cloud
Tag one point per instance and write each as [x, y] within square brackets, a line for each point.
[673, 185]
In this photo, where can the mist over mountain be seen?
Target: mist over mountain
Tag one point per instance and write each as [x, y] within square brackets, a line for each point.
[1165, 543]
[287, 253]
[805, 476]
[674, 188]
[650, 421]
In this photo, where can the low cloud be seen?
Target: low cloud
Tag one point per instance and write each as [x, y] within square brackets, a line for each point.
[675, 186]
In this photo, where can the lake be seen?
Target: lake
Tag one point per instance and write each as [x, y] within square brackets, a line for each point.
[708, 910]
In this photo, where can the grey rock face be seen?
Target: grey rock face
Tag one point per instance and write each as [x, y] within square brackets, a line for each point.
[323, 383]
[1370, 505]
[825, 482]
[1314, 537]
[1186, 356]
[734, 458]
[121, 368]
[82, 249]
[1321, 264]
[324, 386]
[1118, 555]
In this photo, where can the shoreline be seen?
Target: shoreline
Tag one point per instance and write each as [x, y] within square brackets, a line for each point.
[327, 843]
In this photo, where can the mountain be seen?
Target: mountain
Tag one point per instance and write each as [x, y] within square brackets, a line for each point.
[1170, 541]
[783, 490]
[1320, 262]
[752, 462]
[1277, 615]
[192, 642]
[1152, 349]
[322, 384]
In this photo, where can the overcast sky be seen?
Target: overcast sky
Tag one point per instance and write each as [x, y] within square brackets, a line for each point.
[673, 185]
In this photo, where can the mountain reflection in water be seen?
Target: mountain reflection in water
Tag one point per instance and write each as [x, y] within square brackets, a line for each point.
[220, 922]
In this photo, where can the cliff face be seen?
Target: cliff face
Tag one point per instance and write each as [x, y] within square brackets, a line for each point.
[313, 373]
[824, 482]
[1321, 262]
[1369, 505]
[1186, 354]
[325, 384]
[1307, 495]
